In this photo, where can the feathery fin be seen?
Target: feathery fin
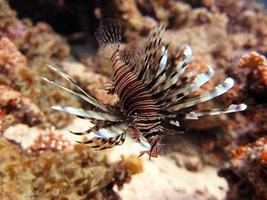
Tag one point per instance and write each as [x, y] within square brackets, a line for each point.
[108, 36]
[85, 96]
[88, 114]
[217, 91]
[232, 108]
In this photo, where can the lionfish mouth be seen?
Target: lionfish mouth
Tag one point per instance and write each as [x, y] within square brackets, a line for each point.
[153, 93]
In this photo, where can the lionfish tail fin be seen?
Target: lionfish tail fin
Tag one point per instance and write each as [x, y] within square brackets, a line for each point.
[108, 37]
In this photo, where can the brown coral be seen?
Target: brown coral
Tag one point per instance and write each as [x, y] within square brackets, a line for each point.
[251, 87]
[247, 171]
[10, 58]
[15, 73]
[40, 40]
[80, 174]
[15, 108]
[7, 16]
[50, 140]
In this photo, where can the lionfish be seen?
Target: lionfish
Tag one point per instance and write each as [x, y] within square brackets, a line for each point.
[153, 95]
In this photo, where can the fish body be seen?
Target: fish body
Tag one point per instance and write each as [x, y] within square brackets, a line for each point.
[152, 94]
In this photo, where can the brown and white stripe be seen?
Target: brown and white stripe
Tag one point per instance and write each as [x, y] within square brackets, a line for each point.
[153, 94]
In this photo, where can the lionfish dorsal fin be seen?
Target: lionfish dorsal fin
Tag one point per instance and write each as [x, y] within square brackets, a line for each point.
[154, 55]
[108, 37]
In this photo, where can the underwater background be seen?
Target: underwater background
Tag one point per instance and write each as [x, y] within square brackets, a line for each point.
[217, 157]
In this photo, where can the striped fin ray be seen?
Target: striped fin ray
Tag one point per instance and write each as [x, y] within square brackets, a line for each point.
[132, 59]
[185, 56]
[208, 95]
[87, 114]
[76, 94]
[162, 95]
[163, 60]
[108, 37]
[231, 109]
[161, 68]
[148, 65]
[103, 143]
[107, 134]
[85, 96]
[178, 93]
[176, 73]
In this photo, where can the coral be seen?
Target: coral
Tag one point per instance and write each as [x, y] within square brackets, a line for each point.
[10, 59]
[247, 171]
[219, 33]
[7, 16]
[93, 83]
[15, 108]
[32, 40]
[15, 73]
[50, 140]
[41, 41]
[250, 75]
[36, 140]
[78, 174]
[129, 11]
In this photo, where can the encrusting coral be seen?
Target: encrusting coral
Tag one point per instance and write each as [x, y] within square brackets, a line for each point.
[15, 108]
[79, 174]
[10, 59]
[36, 141]
[25, 50]
[247, 171]
[32, 40]
[15, 73]
[250, 73]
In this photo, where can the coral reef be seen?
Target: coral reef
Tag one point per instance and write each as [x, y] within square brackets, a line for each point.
[16, 73]
[32, 40]
[11, 59]
[247, 171]
[228, 35]
[35, 140]
[16, 108]
[250, 73]
[79, 174]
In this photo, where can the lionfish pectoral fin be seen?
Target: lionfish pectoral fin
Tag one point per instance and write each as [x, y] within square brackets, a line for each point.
[105, 143]
[142, 145]
[108, 37]
[185, 55]
[155, 147]
[83, 95]
[198, 81]
[87, 114]
[101, 138]
[163, 60]
[231, 109]
[208, 95]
